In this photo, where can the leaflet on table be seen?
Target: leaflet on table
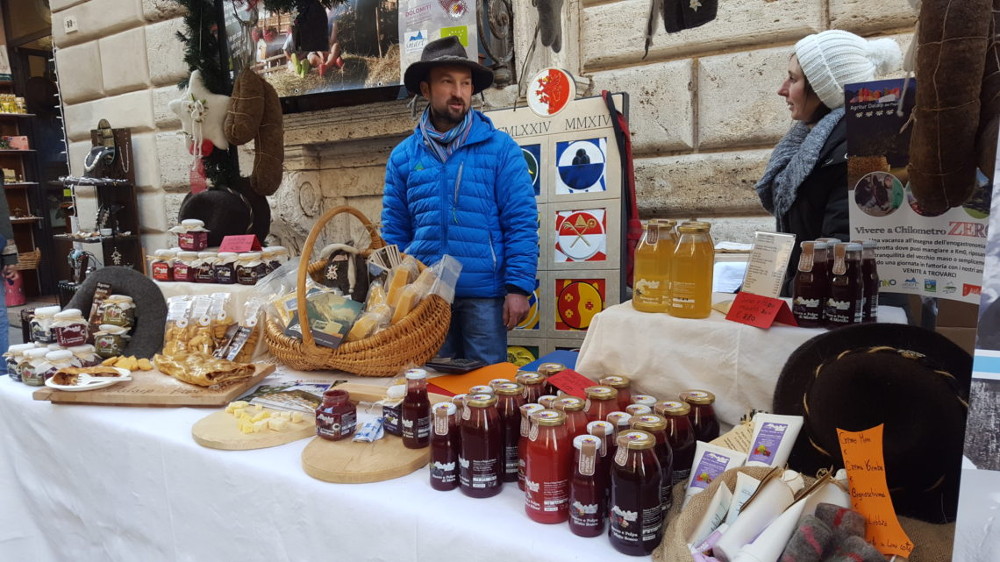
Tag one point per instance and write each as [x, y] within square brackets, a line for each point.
[294, 397]
[768, 263]
[919, 253]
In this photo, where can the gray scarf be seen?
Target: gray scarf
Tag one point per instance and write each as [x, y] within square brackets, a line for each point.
[791, 163]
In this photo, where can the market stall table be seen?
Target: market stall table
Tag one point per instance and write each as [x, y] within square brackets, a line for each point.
[664, 355]
[129, 483]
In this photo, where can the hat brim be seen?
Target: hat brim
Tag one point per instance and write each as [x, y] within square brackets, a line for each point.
[482, 77]
[853, 406]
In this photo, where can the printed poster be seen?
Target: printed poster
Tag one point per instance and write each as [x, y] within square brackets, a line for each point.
[918, 253]
[423, 21]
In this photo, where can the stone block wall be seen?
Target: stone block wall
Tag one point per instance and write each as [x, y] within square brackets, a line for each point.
[704, 109]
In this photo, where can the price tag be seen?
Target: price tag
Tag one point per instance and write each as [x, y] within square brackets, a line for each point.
[240, 243]
[571, 382]
[760, 311]
[865, 466]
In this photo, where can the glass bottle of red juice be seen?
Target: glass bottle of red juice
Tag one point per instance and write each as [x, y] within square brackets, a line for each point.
[680, 434]
[623, 385]
[548, 467]
[534, 385]
[601, 401]
[444, 447]
[576, 418]
[636, 520]
[509, 402]
[606, 432]
[702, 416]
[587, 503]
[480, 466]
[522, 443]
[657, 426]
[415, 415]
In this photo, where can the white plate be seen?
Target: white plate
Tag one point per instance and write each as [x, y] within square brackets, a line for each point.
[87, 382]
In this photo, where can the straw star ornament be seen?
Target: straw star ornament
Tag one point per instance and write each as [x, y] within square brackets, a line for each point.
[202, 113]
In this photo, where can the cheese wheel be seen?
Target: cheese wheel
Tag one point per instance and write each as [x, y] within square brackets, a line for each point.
[407, 301]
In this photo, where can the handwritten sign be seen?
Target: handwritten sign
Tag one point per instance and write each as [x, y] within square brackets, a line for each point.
[240, 243]
[768, 263]
[865, 466]
[760, 311]
[571, 382]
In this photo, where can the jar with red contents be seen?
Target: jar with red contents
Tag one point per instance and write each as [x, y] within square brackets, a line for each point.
[636, 522]
[522, 443]
[587, 505]
[623, 385]
[480, 466]
[415, 413]
[576, 418]
[161, 267]
[534, 384]
[509, 402]
[601, 401]
[702, 416]
[183, 266]
[621, 420]
[547, 370]
[548, 468]
[605, 431]
[657, 426]
[680, 434]
[336, 416]
[445, 447]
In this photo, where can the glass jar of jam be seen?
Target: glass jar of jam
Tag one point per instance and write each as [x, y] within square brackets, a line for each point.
[55, 360]
[34, 366]
[702, 416]
[204, 267]
[415, 415]
[587, 504]
[70, 328]
[85, 355]
[509, 402]
[635, 514]
[445, 447]
[576, 418]
[41, 324]
[480, 466]
[548, 468]
[336, 416]
[249, 268]
[161, 267]
[601, 401]
[547, 370]
[184, 270]
[623, 385]
[680, 434]
[191, 234]
[605, 431]
[110, 340]
[638, 409]
[15, 359]
[522, 442]
[225, 268]
[118, 310]
[656, 425]
[621, 420]
[533, 384]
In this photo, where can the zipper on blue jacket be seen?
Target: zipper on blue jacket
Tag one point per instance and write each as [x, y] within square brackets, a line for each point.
[454, 203]
[493, 253]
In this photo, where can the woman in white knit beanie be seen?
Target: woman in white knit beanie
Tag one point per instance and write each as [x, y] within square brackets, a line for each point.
[805, 183]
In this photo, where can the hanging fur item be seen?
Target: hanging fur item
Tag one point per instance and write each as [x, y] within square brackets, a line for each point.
[255, 113]
[989, 97]
[951, 57]
[550, 22]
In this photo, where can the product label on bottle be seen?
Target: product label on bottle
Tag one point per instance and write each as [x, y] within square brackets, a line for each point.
[627, 528]
[510, 459]
[710, 467]
[584, 515]
[162, 271]
[652, 519]
[335, 426]
[621, 456]
[807, 309]
[873, 305]
[478, 473]
[74, 334]
[681, 475]
[767, 442]
[445, 473]
[839, 311]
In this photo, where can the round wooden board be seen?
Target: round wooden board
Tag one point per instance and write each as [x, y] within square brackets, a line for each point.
[348, 462]
[220, 430]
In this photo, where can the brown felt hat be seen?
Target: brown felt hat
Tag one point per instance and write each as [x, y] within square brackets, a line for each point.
[442, 52]
[912, 380]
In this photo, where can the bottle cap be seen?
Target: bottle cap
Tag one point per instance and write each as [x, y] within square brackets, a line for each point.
[644, 399]
[601, 392]
[672, 408]
[636, 440]
[528, 409]
[616, 381]
[638, 409]
[480, 400]
[47, 311]
[606, 428]
[415, 374]
[549, 418]
[549, 369]
[700, 397]
[570, 404]
[59, 355]
[448, 408]
[580, 440]
[509, 389]
[529, 377]
[649, 422]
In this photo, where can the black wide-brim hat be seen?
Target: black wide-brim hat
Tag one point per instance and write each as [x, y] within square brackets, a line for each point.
[442, 52]
[913, 380]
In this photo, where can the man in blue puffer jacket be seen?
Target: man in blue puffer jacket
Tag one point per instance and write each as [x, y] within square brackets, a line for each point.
[459, 186]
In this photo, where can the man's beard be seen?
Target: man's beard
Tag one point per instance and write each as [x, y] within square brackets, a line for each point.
[445, 120]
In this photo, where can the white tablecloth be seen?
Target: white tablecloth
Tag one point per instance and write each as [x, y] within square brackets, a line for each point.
[107, 483]
[664, 355]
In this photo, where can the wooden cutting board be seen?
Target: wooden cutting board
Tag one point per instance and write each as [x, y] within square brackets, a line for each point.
[348, 462]
[153, 388]
[220, 430]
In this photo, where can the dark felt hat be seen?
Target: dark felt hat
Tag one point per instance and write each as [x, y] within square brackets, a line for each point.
[912, 380]
[441, 52]
[229, 211]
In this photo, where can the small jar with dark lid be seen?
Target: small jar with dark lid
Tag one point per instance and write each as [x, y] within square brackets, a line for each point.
[702, 416]
[249, 268]
[225, 268]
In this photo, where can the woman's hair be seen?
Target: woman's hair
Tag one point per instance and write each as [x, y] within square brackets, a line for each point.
[821, 110]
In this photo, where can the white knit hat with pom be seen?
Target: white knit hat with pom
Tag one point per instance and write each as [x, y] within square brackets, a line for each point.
[833, 58]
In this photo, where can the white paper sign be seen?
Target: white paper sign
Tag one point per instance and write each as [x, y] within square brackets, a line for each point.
[768, 262]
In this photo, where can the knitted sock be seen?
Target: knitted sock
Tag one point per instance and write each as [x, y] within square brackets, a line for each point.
[808, 541]
[855, 549]
[842, 521]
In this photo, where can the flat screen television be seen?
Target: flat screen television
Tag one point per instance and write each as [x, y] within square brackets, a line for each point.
[344, 54]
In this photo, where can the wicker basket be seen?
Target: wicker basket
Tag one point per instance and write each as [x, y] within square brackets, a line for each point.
[412, 341]
[29, 260]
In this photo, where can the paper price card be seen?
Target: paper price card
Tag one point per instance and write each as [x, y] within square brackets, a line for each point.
[760, 311]
[865, 466]
[571, 382]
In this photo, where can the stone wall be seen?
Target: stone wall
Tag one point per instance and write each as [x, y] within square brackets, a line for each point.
[704, 109]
